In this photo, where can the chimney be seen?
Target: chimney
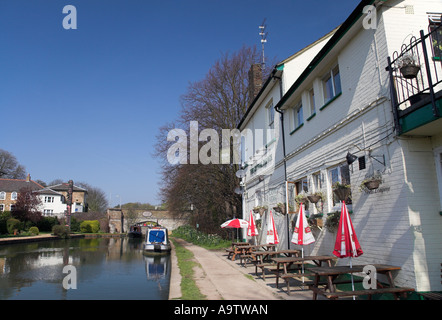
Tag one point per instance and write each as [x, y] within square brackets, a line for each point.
[28, 178]
[255, 81]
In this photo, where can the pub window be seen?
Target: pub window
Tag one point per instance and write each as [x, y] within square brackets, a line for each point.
[341, 174]
[435, 29]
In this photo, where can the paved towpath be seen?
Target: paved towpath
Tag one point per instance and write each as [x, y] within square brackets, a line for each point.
[220, 278]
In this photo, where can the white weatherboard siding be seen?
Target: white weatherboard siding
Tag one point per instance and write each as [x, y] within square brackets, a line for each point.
[400, 223]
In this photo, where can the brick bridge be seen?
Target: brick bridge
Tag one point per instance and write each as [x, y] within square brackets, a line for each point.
[121, 219]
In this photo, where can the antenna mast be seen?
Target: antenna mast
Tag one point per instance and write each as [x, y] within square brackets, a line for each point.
[263, 34]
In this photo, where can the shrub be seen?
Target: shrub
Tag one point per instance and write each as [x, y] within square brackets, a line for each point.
[13, 225]
[90, 226]
[4, 216]
[75, 225]
[61, 231]
[34, 231]
[47, 223]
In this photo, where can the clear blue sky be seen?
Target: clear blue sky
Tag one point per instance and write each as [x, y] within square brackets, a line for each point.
[86, 104]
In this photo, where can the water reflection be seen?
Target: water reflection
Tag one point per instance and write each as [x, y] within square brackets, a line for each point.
[107, 268]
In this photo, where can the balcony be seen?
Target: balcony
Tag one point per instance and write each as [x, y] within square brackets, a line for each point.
[416, 84]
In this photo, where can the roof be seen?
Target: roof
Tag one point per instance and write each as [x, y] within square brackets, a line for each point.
[10, 185]
[48, 191]
[65, 186]
[339, 34]
[276, 73]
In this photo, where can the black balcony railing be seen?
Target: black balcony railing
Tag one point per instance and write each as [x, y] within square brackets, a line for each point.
[416, 74]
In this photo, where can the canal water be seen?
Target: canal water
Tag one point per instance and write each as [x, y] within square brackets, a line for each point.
[83, 269]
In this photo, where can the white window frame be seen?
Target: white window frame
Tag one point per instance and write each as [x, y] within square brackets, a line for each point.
[2, 207]
[14, 195]
[311, 101]
[2, 195]
[438, 164]
[297, 119]
[329, 173]
[330, 76]
[270, 114]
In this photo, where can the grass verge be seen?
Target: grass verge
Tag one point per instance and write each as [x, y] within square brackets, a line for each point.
[189, 289]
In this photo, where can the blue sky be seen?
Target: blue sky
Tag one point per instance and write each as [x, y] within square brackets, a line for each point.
[86, 104]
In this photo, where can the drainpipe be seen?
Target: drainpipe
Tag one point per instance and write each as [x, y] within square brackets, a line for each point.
[284, 154]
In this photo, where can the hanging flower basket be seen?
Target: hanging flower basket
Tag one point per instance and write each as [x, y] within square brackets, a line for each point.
[277, 209]
[372, 184]
[342, 191]
[314, 198]
[408, 65]
[410, 71]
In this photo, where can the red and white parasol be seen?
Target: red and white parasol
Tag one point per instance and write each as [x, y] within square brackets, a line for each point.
[235, 223]
[251, 230]
[347, 244]
[272, 233]
[302, 235]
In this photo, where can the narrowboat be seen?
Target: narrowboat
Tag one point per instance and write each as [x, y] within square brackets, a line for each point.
[135, 232]
[157, 240]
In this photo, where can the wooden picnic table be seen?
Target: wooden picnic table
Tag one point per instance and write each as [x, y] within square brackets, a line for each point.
[260, 258]
[331, 274]
[237, 248]
[287, 262]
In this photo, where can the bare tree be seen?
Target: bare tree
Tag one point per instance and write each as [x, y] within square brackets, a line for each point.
[27, 206]
[217, 102]
[96, 198]
[9, 166]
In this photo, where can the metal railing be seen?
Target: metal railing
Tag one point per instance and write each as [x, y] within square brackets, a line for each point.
[416, 73]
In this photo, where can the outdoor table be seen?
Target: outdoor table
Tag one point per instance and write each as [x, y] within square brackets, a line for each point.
[287, 262]
[261, 256]
[238, 248]
[331, 273]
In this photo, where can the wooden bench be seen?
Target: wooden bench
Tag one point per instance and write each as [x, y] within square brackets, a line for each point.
[244, 257]
[264, 266]
[308, 282]
[230, 251]
[368, 292]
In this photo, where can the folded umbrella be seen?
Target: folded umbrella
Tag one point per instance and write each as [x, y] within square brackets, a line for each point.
[347, 244]
[302, 234]
[272, 233]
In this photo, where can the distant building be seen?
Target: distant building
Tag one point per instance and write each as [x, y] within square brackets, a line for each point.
[10, 188]
[53, 198]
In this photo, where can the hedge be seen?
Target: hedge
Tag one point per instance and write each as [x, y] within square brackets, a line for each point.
[90, 226]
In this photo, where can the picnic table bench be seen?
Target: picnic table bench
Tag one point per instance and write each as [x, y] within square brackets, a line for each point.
[331, 274]
[261, 259]
[285, 270]
[236, 249]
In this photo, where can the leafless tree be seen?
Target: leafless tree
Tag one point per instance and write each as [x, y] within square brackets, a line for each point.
[9, 166]
[217, 102]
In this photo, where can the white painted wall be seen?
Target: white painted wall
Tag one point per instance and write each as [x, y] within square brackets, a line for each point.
[400, 225]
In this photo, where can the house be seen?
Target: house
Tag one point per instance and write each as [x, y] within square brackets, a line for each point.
[53, 198]
[351, 114]
[9, 189]
[79, 196]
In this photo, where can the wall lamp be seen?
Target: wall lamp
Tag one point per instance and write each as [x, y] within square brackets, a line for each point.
[352, 158]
